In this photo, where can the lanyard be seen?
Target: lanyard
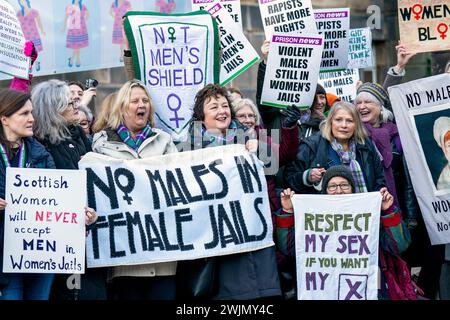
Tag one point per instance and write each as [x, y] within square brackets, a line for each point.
[22, 156]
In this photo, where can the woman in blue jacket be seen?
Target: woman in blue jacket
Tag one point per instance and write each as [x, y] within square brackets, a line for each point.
[19, 149]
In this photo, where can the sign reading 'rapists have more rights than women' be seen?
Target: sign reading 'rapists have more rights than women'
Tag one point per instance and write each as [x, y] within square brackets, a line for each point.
[292, 71]
[287, 17]
[44, 221]
[336, 246]
[175, 56]
[179, 206]
[233, 7]
[238, 53]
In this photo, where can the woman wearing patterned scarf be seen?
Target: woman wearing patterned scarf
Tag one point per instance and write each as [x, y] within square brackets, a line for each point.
[130, 134]
[343, 140]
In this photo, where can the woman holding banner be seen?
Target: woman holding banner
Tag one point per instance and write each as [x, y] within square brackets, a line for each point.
[394, 236]
[20, 149]
[249, 275]
[131, 134]
[343, 140]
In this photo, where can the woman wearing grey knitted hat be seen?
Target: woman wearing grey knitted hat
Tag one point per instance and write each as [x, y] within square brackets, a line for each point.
[441, 133]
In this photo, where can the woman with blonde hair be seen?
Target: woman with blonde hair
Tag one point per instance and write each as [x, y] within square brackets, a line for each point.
[101, 119]
[343, 140]
[130, 134]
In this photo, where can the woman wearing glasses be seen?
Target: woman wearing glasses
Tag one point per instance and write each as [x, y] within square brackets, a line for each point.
[343, 140]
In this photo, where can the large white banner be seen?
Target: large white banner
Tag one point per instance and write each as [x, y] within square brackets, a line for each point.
[422, 113]
[334, 24]
[175, 207]
[12, 60]
[71, 38]
[360, 48]
[292, 71]
[237, 53]
[287, 17]
[44, 221]
[233, 7]
[341, 83]
[175, 56]
[336, 246]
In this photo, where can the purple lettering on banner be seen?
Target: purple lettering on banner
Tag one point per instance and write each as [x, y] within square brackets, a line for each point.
[353, 289]
[175, 119]
[266, 1]
[202, 1]
[215, 8]
[331, 15]
[297, 40]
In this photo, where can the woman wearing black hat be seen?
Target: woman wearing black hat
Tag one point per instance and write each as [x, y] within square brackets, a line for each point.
[338, 180]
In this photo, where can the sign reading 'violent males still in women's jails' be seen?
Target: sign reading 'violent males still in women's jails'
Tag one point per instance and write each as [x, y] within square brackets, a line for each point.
[334, 24]
[340, 83]
[44, 221]
[238, 53]
[175, 56]
[336, 246]
[422, 113]
[12, 41]
[360, 49]
[292, 71]
[287, 16]
[233, 7]
[175, 207]
[424, 24]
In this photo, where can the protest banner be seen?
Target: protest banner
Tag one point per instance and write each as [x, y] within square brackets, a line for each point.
[422, 114]
[287, 17]
[175, 56]
[424, 25]
[334, 24]
[100, 40]
[336, 246]
[44, 221]
[178, 206]
[360, 49]
[233, 7]
[340, 83]
[238, 53]
[13, 62]
[292, 71]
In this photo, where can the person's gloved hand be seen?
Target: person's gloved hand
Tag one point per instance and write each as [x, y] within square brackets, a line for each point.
[291, 115]
[30, 51]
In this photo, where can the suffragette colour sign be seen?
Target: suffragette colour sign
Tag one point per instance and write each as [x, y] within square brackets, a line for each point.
[238, 53]
[233, 7]
[12, 41]
[336, 246]
[424, 25]
[175, 56]
[287, 17]
[44, 221]
[422, 113]
[292, 71]
[179, 206]
[334, 24]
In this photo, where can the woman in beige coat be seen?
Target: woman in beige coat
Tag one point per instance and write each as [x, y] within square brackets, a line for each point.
[130, 134]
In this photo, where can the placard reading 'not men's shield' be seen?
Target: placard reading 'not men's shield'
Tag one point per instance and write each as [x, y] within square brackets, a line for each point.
[179, 206]
[424, 25]
[422, 113]
[287, 17]
[233, 7]
[175, 56]
[238, 53]
[44, 221]
[360, 48]
[334, 24]
[340, 83]
[292, 71]
[336, 246]
[12, 42]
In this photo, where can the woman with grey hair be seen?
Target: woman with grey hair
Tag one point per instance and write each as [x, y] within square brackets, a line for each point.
[56, 123]
[85, 121]
[343, 140]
